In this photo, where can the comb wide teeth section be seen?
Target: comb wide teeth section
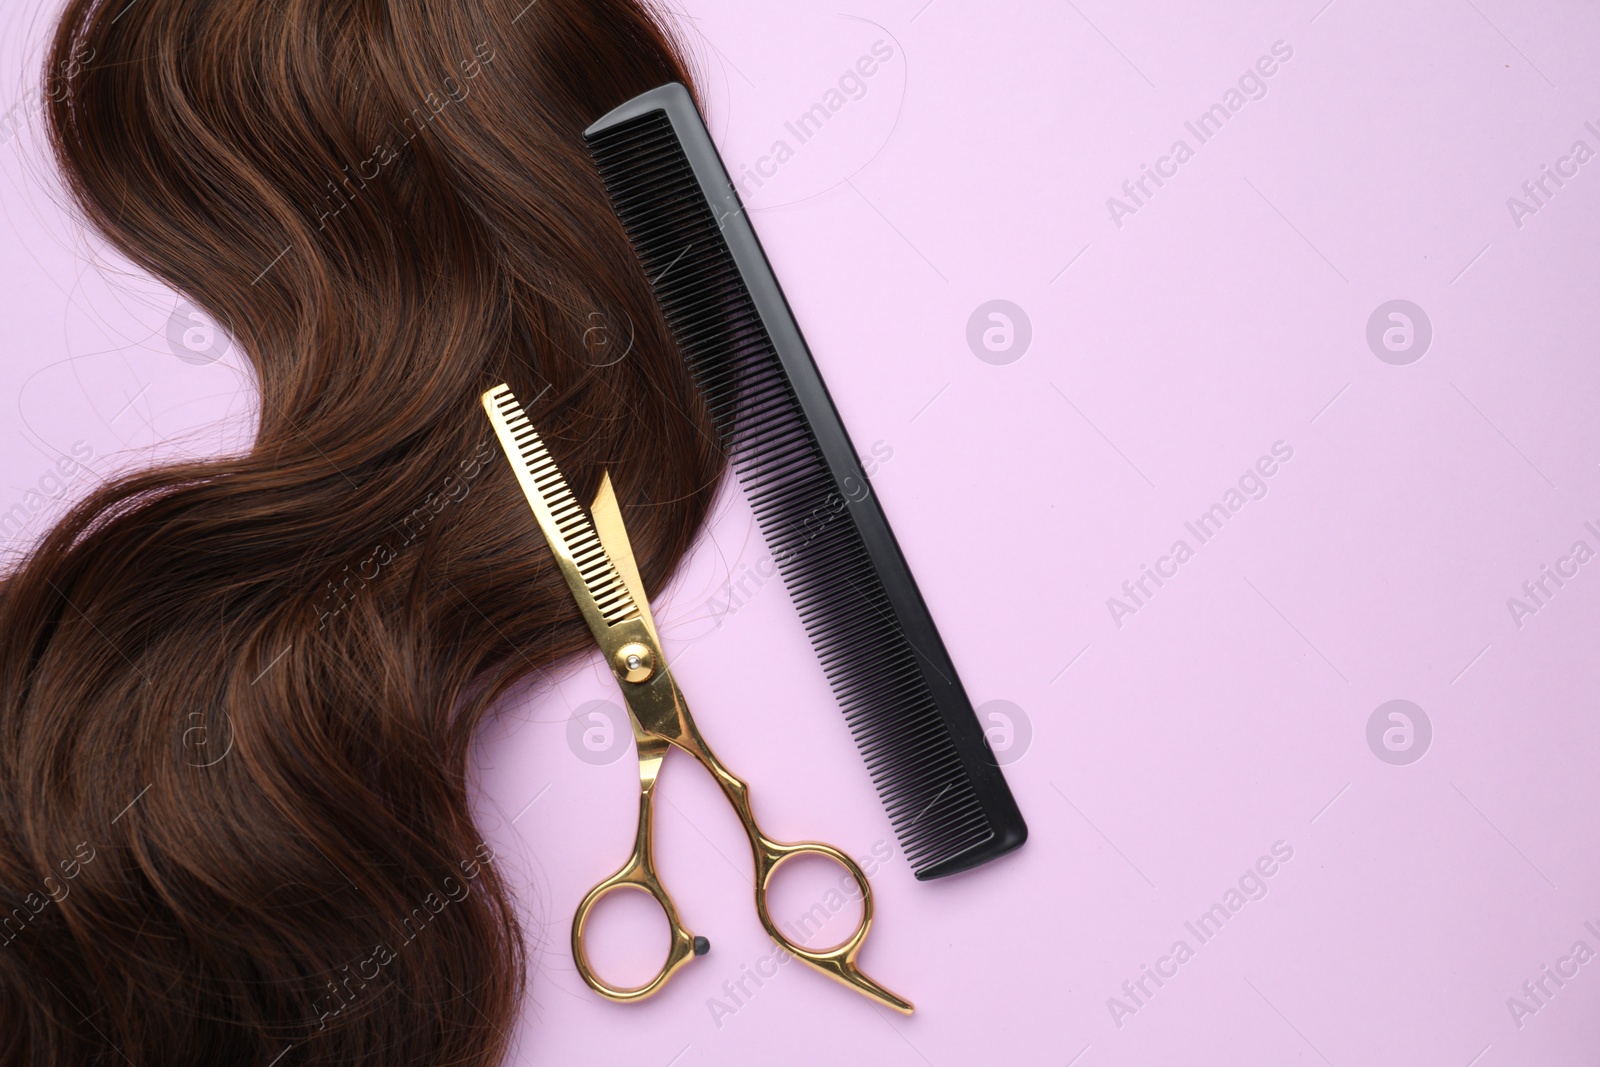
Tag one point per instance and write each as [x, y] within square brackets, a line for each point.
[876, 675]
[526, 449]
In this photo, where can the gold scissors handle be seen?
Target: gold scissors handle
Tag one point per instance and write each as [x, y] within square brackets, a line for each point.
[639, 872]
[661, 721]
[596, 558]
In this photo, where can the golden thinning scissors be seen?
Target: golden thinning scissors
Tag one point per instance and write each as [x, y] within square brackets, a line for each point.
[598, 563]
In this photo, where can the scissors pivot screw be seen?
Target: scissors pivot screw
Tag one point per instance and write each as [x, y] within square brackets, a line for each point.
[636, 662]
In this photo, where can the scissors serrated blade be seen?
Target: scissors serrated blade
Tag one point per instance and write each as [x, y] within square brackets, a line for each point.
[566, 527]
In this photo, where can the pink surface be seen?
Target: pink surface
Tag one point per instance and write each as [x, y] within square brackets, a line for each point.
[1164, 746]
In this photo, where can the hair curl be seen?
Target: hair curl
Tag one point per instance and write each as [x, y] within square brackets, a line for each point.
[388, 204]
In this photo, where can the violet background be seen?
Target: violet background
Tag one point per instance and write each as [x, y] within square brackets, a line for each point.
[1166, 755]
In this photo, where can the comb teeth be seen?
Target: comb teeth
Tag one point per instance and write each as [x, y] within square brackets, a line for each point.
[882, 654]
[538, 473]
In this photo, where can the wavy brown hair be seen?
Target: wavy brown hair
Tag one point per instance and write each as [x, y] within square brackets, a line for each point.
[237, 696]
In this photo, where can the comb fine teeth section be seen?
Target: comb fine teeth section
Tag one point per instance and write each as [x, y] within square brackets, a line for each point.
[527, 450]
[881, 682]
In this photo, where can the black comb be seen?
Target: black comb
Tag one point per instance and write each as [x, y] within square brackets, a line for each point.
[889, 670]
